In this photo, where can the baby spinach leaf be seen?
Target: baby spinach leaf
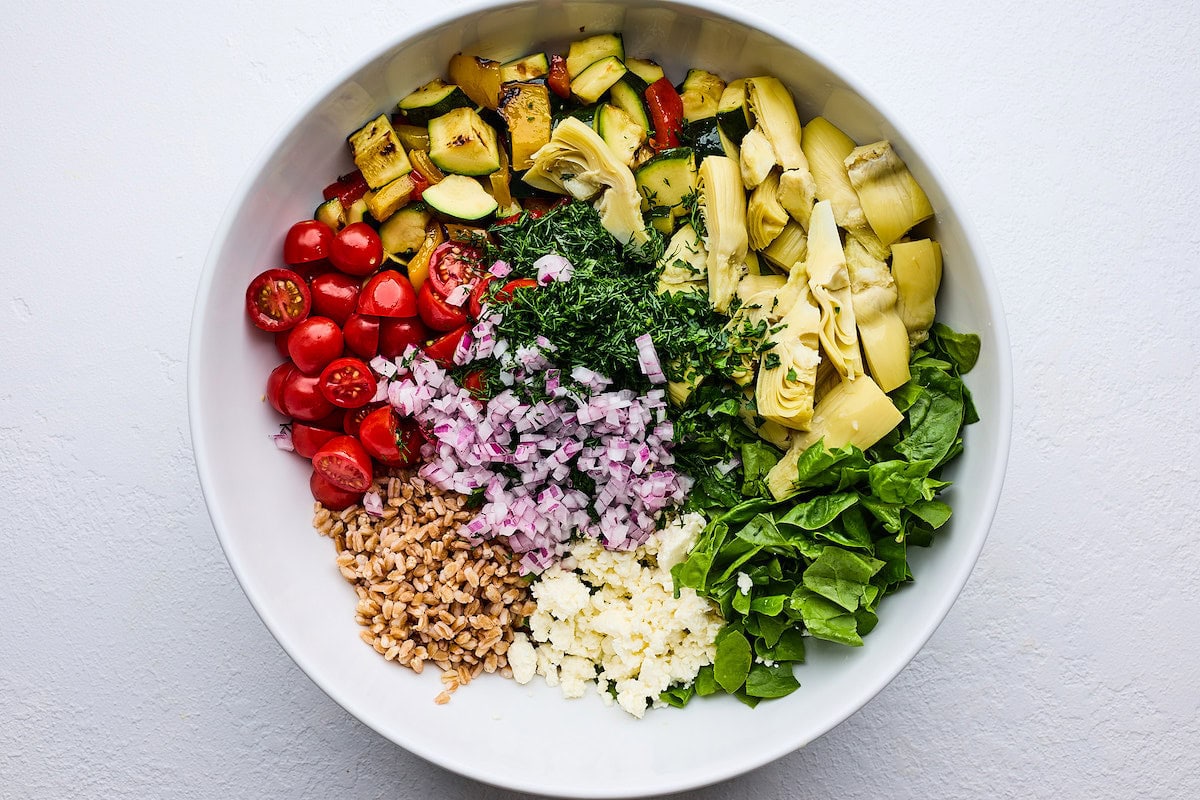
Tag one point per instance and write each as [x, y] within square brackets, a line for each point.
[771, 605]
[961, 348]
[932, 435]
[820, 511]
[886, 513]
[826, 619]
[771, 629]
[774, 681]
[732, 662]
[678, 695]
[790, 646]
[706, 682]
[741, 602]
[900, 482]
[763, 531]
[841, 576]
[757, 459]
[894, 556]
[934, 512]
[867, 620]
[818, 468]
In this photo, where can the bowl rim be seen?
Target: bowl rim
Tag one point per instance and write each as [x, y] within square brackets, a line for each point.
[951, 588]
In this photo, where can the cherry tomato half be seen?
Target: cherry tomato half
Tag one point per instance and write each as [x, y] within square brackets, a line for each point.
[395, 335]
[479, 294]
[354, 417]
[330, 496]
[436, 312]
[275, 383]
[473, 383]
[301, 398]
[308, 439]
[345, 463]
[314, 343]
[453, 263]
[388, 294]
[391, 440]
[277, 299]
[356, 249]
[307, 240]
[442, 350]
[347, 383]
[334, 295]
[362, 335]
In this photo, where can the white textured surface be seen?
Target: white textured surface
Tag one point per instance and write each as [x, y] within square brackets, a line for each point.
[131, 664]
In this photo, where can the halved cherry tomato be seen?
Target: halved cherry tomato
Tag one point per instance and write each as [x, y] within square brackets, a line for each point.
[354, 417]
[357, 249]
[332, 497]
[277, 299]
[442, 349]
[349, 189]
[308, 439]
[301, 398]
[558, 79]
[453, 263]
[332, 421]
[479, 294]
[334, 295]
[345, 463]
[281, 343]
[505, 295]
[307, 240]
[362, 335]
[435, 311]
[395, 335]
[275, 383]
[347, 383]
[473, 383]
[388, 294]
[392, 441]
[314, 343]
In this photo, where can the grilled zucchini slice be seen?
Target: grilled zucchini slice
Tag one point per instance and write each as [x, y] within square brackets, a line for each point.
[432, 100]
[462, 143]
[378, 152]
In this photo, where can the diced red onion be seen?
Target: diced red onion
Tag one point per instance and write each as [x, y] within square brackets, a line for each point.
[648, 359]
[283, 440]
[373, 504]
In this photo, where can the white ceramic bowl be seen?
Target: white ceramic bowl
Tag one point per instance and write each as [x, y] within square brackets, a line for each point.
[529, 737]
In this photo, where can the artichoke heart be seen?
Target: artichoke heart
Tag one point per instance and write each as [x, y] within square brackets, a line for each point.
[764, 214]
[577, 162]
[684, 263]
[917, 270]
[788, 373]
[829, 282]
[775, 112]
[880, 328]
[756, 158]
[826, 148]
[798, 194]
[890, 196]
[789, 248]
[723, 207]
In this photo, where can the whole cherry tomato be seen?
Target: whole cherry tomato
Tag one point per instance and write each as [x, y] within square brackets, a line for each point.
[345, 463]
[362, 336]
[308, 439]
[275, 383]
[356, 249]
[281, 343]
[301, 398]
[314, 343]
[453, 263]
[436, 312]
[395, 335]
[277, 300]
[334, 295]
[347, 383]
[307, 240]
[387, 294]
[393, 441]
[442, 349]
[332, 497]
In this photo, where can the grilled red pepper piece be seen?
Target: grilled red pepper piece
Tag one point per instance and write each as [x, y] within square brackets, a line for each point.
[666, 111]
[558, 80]
[348, 189]
[420, 184]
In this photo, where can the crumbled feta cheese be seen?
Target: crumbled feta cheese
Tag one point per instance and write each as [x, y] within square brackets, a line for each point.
[615, 621]
[744, 583]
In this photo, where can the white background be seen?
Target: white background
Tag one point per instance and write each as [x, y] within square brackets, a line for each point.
[131, 665]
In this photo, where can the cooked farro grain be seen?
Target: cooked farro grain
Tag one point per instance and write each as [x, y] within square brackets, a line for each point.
[426, 595]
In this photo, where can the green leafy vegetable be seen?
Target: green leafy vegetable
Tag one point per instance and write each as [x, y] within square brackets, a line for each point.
[732, 662]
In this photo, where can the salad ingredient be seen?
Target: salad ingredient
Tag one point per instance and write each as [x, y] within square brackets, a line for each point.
[347, 190]
[347, 383]
[442, 349]
[917, 270]
[614, 624]
[701, 94]
[314, 343]
[387, 200]
[786, 388]
[308, 439]
[576, 161]
[558, 78]
[432, 100]
[666, 181]
[478, 77]
[596, 79]
[361, 335]
[356, 250]
[829, 282]
[649, 71]
[774, 112]
[461, 197]
[733, 114]
[890, 196]
[392, 441]
[345, 463]
[436, 312]
[526, 109]
[387, 293]
[301, 397]
[585, 52]
[404, 232]
[462, 143]
[331, 497]
[723, 206]
[453, 264]
[277, 299]
[765, 215]
[275, 383]
[789, 248]
[880, 327]
[307, 240]
[529, 68]
[826, 147]
[425, 595]
[397, 335]
[334, 295]
[666, 113]
[621, 132]
[379, 153]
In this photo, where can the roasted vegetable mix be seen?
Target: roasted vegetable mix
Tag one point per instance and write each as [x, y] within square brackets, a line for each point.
[694, 248]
